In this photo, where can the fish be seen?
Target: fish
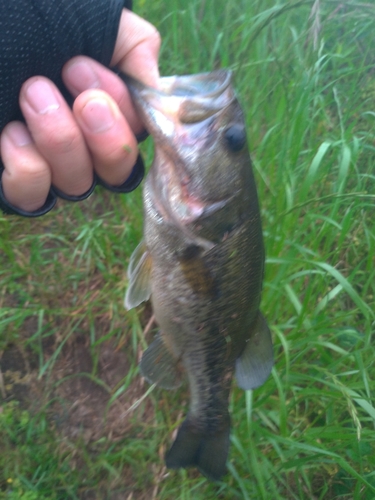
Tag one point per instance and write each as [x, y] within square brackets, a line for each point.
[201, 260]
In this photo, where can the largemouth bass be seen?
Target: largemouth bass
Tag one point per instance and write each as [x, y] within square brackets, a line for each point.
[202, 259]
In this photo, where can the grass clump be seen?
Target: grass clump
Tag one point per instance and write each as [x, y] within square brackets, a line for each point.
[304, 75]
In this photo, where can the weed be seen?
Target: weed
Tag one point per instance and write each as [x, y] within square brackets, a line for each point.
[304, 75]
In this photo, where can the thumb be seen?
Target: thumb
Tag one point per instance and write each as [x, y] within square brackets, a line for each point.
[137, 48]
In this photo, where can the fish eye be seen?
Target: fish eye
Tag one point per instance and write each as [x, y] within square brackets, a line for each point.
[235, 137]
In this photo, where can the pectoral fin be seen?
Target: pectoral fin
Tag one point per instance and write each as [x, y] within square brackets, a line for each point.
[158, 366]
[255, 363]
[139, 273]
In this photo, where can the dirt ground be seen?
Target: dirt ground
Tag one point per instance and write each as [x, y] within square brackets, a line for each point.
[77, 403]
[83, 400]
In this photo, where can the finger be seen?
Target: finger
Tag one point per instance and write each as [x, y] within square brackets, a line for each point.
[26, 179]
[109, 137]
[136, 53]
[56, 135]
[82, 73]
[137, 48]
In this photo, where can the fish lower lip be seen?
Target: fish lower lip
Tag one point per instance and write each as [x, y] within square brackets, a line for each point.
[175, 202]
[214, 207]
[190, 210]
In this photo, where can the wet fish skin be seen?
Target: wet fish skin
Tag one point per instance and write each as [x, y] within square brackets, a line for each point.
[202, 259]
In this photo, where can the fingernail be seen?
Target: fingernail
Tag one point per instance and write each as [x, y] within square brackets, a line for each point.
[81, 76]
[19, 135]
[98, 115]
[41, 97]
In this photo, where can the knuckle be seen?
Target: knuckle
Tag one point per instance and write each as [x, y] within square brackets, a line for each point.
[31, 169]
[150, 38]
[154, 38]
[62, 141]
[116, 165]
[121, 155]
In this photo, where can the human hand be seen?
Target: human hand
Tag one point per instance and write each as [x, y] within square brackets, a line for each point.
[64, 147]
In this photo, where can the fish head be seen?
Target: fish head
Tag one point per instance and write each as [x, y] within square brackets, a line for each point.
[200, 141]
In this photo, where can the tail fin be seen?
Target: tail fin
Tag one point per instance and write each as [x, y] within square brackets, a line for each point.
[203, 449]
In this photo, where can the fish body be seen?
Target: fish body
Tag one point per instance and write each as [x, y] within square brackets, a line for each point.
[202, 259]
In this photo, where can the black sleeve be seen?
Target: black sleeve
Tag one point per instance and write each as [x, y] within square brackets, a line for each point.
[37, 37]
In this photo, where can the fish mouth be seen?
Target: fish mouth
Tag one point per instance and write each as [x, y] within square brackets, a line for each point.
[197, 97]
[207, 84]
[176, 202]
[180, 100]
[180, 115]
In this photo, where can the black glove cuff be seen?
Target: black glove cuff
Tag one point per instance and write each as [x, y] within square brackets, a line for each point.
[142, 136]
[10, 209]
[69, 197]
[131, 183]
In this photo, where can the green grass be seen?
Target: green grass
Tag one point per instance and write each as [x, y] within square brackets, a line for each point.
[306, 80]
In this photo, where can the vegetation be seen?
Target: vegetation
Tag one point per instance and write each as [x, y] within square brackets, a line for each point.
[76, 420]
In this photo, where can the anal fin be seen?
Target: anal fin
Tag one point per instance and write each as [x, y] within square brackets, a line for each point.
[255, 363]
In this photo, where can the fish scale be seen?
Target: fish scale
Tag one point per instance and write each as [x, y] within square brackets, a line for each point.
[202, 259]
